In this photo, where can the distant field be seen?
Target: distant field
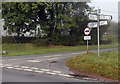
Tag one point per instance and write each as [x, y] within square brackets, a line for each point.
[106, 65]
[29, 49]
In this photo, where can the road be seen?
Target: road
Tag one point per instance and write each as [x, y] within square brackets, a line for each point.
[42, 68]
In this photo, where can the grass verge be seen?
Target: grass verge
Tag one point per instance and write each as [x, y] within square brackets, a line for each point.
[106, 65]
[29, 49]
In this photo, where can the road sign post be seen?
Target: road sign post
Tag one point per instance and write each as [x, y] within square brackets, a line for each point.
[87, 38]
[101, 20]
[87, 32]
[98, 20]
[87, 47]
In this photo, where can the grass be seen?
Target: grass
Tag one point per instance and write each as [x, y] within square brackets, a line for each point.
[29, 49]
[106, 65]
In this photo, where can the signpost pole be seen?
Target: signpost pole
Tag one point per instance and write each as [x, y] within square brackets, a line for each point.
[97, 17]
[98, 24]
[87, 46]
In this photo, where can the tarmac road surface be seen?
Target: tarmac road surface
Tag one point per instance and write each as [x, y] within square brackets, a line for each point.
[42, 68]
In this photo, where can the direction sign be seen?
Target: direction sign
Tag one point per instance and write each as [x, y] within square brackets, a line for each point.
[87, 31]
[105, 17]
[87, 37]
[101, 17]
[92, 17]
[103, 23]
[94, 24]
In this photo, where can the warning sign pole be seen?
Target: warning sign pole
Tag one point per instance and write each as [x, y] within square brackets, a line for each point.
[87, 32]
[87, 47]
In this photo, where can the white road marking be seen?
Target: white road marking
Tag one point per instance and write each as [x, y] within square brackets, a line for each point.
[65, 75]
[50, 73]
[33, 61]
[25, 67]
[34, 68]
[44, 69]
[56, 71]
[10, 67]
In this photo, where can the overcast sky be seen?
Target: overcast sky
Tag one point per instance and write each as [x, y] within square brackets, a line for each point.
[108, 7]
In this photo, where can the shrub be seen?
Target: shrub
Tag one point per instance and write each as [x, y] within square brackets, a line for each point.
[40, 42]
[16, 39]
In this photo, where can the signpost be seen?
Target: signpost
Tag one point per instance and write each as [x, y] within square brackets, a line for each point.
[101, 20]
[87, 32]
[101, 17]
[94, 24]
[92, 17]
[98, 31]
[105, 17]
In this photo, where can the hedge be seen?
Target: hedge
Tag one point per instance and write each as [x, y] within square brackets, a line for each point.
[15, 39]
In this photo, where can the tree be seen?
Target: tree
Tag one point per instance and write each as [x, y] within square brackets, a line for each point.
[69, 21]
[57, 20]
[22, 17]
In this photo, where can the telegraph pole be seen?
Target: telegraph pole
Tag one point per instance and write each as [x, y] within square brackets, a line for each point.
[98, 31]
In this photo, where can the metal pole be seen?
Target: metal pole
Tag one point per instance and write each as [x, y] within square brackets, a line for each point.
[87, 46]
[98, 24]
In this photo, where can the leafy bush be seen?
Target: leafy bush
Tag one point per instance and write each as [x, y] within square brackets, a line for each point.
[68, 41]
[16, 39]
[8, 40]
